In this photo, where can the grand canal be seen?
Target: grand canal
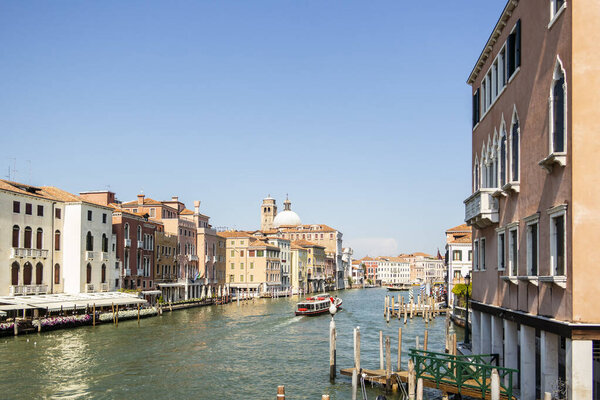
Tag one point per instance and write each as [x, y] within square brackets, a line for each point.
[217, 352]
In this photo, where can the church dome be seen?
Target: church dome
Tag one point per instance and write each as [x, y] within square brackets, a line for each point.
[286, 218]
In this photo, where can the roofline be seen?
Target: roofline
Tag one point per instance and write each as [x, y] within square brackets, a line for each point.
[487, 49]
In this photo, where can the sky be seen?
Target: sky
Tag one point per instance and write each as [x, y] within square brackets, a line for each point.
[358, 110]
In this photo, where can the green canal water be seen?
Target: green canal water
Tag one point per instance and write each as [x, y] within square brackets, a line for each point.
[217, 352]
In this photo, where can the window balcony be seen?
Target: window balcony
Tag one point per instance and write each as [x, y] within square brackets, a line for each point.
[481, 209]
[140, 244]
[206, 258]
[140, 272]
[127, 242]
[17, 252]
[128, 272]
[103, 256]
[215, 259]
[89, 288]
[89, 255]
[16, 290]
[104, 287]
[192, 257]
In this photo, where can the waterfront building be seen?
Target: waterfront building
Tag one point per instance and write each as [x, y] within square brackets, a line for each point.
[298, 264]
[315, 265]
[287, 224]
[425, 268]
[535, 189]
[166, 272]
[347, 262]
[459, 255]
[284, 259]
[31, 241]
[393, 270]
[371, 269]
[169, 212]
[357, 274]
[252, 264]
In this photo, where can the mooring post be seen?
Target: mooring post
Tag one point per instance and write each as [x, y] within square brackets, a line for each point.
[117, 316]
[405, 312]
[411, 379]
[417, 342]
[113, 312]
[399, 350]
[495, 385]
[138, 314]
[420, 389]
[325, 397]
[94, 315]
[354, 383]
[357, 348]
[388, 364]
[425, 340]
[332, 350]
[381, 350]
[547, 396]
[280, 392]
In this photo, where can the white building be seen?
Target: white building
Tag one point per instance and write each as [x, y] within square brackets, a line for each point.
[459, 255]
[50, 244]
[285, 261]
[357, 273]
[393, 270]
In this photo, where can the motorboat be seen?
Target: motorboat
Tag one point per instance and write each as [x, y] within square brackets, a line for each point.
[317, 305]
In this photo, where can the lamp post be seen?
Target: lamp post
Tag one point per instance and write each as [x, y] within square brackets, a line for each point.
[468, 282]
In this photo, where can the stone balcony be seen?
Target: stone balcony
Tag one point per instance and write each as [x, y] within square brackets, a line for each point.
[192, 257]
[103, 256]
[89, 255]
[17, 252]
[481, 209]
[89, 287]
[17, 290]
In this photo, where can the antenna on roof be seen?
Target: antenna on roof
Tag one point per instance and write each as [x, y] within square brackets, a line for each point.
[13, 170]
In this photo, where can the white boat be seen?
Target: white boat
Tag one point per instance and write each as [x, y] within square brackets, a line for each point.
[317, 305]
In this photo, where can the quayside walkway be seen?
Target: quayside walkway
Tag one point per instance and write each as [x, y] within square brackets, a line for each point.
[452, 374]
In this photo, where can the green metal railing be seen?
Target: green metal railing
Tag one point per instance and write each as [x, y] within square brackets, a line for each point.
[473, 372]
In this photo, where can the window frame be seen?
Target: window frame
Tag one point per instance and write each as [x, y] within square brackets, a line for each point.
[501, 249]
[553, 213]
[529, 222]
[476, 255]
[557, 156]
[555, 13]
[16, 207]
[513, 264]
[482, 254]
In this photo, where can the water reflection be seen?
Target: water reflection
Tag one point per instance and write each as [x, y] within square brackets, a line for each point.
[221, 352]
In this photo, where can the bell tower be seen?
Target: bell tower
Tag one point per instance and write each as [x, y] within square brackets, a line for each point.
[268, 211]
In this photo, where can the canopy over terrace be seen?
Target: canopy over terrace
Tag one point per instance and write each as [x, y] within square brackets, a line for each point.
[54, 302]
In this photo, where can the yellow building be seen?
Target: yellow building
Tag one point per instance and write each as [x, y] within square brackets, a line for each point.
[315, 264]
[298, 264]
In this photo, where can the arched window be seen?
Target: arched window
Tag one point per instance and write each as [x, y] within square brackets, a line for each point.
[558, 110]
[104, 243]
[14, 274]
[89, 242]
[139, 233]
[88, 275]
[502, 157]
[57, 274]
[39, 273]
[27, 274]
[475, 176]
[57, 240]
[15, 236]
[515, 144]
[28, 234]
[126, 231]
[39, 238]
[103, 273]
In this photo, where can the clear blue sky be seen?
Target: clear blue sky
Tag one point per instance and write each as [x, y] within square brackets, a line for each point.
[358, 109]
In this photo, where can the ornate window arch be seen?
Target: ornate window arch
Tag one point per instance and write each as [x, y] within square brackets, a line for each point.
[558, 110]
[515, 147]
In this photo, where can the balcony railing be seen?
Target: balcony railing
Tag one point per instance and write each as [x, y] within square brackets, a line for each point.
[104, 287]
[140, 244]
[481, 208]
[127, 242]
[128, 272]
[140, 272]
[89, 287]
[16, 290]
[89, 255]
[192, 257]
[206, 258]
[17, 252]
[215, 259]
[103, 256]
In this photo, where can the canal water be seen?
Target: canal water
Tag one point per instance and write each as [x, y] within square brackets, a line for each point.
[216, 352]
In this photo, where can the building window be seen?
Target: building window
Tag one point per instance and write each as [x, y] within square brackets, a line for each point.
[27, 270]
[241, 278]
[251, 265]
[556, 7]
[476, 102]
[515, 144]
[241, 253]
[482, 254]
[57, 274]
[139, 233]
[457, 255]
[89, 215]
[15, 236]
[513, 50]
[16, 207]
[532, 248]
[502, 157]
[232, 266]
[88, 275]
[230, 278]
[39, 238]
[558, 241]
[28, 234]
[57, 240]
[40, 211]
[57, 213]
[103, 218]
[251, 278]
[470, 255]
[103, 274]
[558, 111]
[104, 243]
[28, 209]
[513, 251]
[89, 242]
[476, 255]
[501, 251]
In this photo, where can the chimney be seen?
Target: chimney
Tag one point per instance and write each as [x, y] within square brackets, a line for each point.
[197, 206]
[141, 198]
[175, 198]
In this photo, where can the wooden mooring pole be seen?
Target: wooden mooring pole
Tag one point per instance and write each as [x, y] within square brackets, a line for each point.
[399, 349]
[356, 362]
[94, 315]
[138, 314]
[495, 384]
[411, 379]
[381, 350]
[388, 364]
[425, 340]
[280, 392]
[420, 389]
[332, 350]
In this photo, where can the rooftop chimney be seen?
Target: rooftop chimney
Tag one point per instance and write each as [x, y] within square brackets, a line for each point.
[174, 198]
[141, 198]
[197, 206]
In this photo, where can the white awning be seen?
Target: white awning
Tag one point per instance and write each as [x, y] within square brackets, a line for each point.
[151, 292]
[54, 302]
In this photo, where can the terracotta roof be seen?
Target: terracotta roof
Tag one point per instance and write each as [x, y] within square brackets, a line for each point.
[307, 228]
[61, 195]
[394, 259]
[186, 212]
[147, 201]
[461, 238]
[460, 228]
[367, 258]
[234, 234]
[420, 254]
[306, 243]
[21, 188]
